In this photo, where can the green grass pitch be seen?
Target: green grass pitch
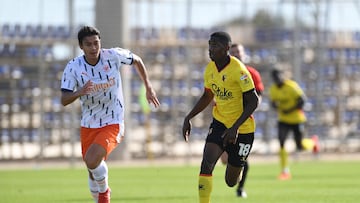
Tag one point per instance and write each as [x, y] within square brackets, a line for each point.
[313, 181]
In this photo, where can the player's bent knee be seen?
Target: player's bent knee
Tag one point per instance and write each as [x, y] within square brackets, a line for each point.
[94, 155]
[91, 162]
[231, 183]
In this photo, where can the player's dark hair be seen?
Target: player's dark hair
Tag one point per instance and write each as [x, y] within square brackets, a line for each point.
[223, 37]
[87, 31]
[234, 45]
[276, 72]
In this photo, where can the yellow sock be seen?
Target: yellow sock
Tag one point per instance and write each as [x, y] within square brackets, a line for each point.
[307, 143]
[283, 159]
[205, 188]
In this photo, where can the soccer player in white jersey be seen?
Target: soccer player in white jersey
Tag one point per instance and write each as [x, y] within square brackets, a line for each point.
[95, 79]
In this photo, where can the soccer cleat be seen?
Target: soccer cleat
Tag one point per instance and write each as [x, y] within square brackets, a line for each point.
[105, 196]
[241, 193]
[316, 147]
[284, 176]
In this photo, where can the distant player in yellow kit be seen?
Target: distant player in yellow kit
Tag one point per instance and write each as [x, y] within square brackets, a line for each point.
[228, 83]
[288, 99]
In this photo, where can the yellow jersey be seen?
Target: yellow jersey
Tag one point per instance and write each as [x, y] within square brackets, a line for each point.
[228, 87]
[285, 98]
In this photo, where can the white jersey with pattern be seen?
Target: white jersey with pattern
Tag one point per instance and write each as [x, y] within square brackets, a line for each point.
[105, 105]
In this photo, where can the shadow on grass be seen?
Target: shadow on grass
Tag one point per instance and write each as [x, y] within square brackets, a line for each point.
[135, 199]
[153, 199]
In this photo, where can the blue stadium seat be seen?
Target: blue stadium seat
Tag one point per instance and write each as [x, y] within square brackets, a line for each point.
[7, 31]
[8, 50]
[63, 32]
[28, 32]
[18, 32]
[37, 32]
[33, 52]
[349, 116]
[356, 36]
[350, 54]
[49, 32]
[330, 101]
[4, 70]
[332, 54]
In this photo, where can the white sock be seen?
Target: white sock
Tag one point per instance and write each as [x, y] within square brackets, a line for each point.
[94, 189]
[100, 174]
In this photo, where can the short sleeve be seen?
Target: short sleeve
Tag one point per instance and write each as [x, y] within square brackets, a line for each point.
[246, 81]
[68, 80]
[206, 77]
[297, 90]
[125, 56]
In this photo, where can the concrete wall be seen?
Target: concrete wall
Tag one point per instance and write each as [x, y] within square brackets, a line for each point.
[111, 19]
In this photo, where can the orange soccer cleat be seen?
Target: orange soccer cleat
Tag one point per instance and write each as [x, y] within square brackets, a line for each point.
[316, 147]
[284, 176]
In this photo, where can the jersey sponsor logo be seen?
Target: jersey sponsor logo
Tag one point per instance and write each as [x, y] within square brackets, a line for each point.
[221, 93]
[106, 68]
[104, 86]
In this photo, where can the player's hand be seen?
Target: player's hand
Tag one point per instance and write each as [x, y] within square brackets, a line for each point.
[230, 136]
[186, 129]
[88, 88]
[152, 98]
[285, 111]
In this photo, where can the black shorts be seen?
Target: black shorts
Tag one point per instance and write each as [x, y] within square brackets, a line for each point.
[238, 152]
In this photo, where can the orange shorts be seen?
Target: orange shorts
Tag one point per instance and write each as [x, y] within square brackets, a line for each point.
[108, 137]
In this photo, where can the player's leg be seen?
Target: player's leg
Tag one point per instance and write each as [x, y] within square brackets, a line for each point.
[224, 158]
[240, 190]
[87, 137]
[309, 144]
[105, 140]
[94, 160]
[238, 154]
[211, 154]
[93, 186]
[212, 151]
[98, 171]
[298, 130]
[283, 130]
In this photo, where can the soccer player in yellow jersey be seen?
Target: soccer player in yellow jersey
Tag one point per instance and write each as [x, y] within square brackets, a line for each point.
[228, 83]
[238, 51]
[288, 99]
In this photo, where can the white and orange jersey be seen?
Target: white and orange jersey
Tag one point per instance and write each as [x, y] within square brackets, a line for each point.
[105, 105]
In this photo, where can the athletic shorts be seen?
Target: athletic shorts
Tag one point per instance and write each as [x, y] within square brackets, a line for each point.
[108, 137]
[238, 152]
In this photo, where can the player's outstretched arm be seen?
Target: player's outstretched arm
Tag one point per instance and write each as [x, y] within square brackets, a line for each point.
[141, 70]
[200, 105]
[186, 129]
